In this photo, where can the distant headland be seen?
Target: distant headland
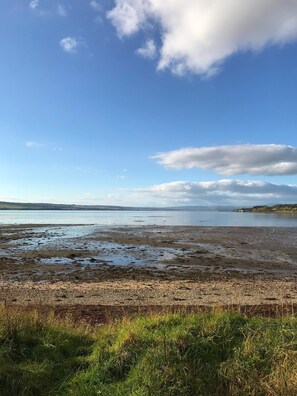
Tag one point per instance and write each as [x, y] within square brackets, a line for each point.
[284, 208]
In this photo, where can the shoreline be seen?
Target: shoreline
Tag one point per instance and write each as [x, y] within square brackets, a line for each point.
[143, 266]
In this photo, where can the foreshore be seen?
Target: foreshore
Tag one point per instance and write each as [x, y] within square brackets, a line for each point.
[147, 266]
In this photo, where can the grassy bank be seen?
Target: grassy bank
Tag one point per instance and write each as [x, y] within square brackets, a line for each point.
[286, 208]
[177, 354]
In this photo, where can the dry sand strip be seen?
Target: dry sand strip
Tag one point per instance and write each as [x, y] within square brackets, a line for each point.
[238, 291]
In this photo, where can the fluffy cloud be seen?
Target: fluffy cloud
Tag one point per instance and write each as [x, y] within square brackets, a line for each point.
[198, 35]
[219, 192]
[252, 159]
[70, 44]
[34, 4]
[61, 10]
[209, 193]
[149, 50]
[96, 6]
[129, 16]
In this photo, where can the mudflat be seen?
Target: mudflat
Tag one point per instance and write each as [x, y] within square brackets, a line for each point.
[147, 266]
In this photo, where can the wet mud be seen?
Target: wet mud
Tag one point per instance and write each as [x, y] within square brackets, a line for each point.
[144, 265]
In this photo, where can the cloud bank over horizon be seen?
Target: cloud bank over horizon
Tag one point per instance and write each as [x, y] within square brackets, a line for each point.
[251, 159]
[197, 36]
[221, 192]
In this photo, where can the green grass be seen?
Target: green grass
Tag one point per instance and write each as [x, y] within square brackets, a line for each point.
[176, 354]
[38, 355]
[285, 208]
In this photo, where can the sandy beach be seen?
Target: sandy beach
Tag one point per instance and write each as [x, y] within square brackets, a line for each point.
[144, 266]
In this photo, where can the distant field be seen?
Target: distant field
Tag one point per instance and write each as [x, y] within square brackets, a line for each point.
[176, 354]
[11, 206]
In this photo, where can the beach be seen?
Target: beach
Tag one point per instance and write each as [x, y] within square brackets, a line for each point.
[147, 266]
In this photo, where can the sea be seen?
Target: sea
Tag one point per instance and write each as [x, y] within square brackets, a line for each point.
[153, 218]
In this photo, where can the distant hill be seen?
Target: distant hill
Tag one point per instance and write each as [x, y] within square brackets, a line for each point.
[284, 208]
[50, 206]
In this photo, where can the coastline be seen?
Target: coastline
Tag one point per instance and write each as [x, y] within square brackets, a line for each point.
[157, 266]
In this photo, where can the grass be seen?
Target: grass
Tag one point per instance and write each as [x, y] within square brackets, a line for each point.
[37, 355]
[285, 208]
[176, 354]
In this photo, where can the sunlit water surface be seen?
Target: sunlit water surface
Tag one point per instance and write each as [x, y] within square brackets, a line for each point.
[119, 218]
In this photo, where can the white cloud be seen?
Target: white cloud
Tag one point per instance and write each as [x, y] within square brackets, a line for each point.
[96, 6]
[149, 50]
[61, 11]
[34, 4]
[32, 144]
[221, 192]
[208, 193]
[128, 16]
[252, 159]
[70, 44]
[198, 35]
[49, 10]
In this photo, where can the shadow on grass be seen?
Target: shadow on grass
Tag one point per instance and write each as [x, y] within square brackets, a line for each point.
[38, 355]
[170, 355]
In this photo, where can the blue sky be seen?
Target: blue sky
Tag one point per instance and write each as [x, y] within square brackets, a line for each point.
[92, 91]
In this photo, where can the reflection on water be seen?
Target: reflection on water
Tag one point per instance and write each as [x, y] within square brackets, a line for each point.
[76, 246]
[114, 218]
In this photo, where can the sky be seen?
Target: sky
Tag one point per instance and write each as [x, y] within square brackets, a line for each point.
[148, 102]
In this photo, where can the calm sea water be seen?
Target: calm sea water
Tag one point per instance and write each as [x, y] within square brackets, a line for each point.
[115, 218]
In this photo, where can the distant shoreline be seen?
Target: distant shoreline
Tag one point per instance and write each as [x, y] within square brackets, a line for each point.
[285, 208]
[280, 208]
[73, 207]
